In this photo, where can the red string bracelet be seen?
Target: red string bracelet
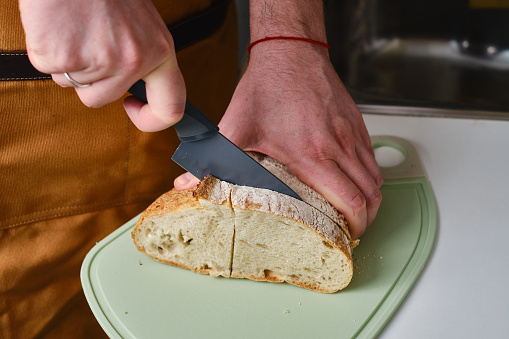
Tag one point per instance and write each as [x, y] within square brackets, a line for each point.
[286, 38]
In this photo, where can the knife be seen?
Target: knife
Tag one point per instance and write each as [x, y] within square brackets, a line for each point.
[205, 151]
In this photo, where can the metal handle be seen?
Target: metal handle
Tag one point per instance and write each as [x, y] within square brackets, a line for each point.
[194, 124]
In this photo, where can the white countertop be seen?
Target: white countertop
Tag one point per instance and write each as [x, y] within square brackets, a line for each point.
[463, 291]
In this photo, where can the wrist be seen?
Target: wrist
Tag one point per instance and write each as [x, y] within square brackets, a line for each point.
[311, 41]
[298, 18]
[288, 52]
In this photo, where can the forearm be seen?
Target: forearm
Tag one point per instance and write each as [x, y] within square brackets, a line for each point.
[288, 18]
[299, 18]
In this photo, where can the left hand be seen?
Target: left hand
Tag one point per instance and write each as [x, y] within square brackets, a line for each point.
[294, 108]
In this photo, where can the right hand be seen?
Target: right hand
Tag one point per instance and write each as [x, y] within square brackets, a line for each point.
[109, 44]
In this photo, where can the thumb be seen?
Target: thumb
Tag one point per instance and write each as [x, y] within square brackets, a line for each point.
[186, 181]
[166, 99]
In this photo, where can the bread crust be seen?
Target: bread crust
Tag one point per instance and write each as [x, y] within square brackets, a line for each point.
[216, 191]
[169, 202]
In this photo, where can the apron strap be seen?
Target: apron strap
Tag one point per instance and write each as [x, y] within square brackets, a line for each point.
[15, 65]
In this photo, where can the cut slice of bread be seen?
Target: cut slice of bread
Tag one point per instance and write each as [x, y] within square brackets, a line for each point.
[245, 232]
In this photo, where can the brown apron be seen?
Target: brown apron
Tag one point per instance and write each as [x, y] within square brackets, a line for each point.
[70, 175]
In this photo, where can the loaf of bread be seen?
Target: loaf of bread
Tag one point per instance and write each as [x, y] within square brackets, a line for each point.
[234, 231]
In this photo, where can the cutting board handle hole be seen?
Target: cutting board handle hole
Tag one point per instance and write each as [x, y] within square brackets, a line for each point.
[388, 156]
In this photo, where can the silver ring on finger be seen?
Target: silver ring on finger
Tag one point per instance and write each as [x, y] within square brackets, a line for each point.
[74, 82]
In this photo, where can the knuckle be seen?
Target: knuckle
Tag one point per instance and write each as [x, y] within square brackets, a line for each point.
[128, 61]
[101, 64]
[319, 151]
[362, 200]
[63, 62]
[346, 142]
[164, 47]
[172, 115]
[357, 202]
[134, 62]
[375, 197]
[135, 58]
[163, 43]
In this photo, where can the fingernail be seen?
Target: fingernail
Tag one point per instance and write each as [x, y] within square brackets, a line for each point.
[184, 179]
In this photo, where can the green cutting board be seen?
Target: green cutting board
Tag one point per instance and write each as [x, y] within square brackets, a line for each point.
[133, 296]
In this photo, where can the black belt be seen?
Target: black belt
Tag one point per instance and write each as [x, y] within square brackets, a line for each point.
[15, 65]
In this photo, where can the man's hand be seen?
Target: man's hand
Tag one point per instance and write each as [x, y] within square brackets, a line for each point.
[293, 107]
[109, 44]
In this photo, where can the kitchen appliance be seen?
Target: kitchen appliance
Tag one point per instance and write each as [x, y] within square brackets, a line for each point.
[426, 58]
